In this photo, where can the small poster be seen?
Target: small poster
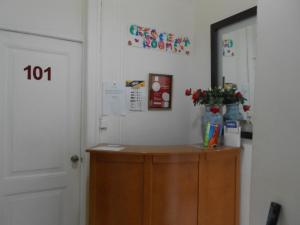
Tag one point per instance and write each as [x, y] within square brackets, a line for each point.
[160, 92]
[228, 48]
[136, 95]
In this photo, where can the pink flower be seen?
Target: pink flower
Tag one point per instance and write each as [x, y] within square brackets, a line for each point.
[188, 92]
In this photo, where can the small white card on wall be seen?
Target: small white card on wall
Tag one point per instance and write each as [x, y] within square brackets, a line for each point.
[114, 98]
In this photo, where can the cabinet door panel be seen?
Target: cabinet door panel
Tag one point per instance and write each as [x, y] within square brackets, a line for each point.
[222, 189]
[117, 191]
[174, 190]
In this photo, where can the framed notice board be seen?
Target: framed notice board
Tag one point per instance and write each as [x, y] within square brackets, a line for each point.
[160, 92]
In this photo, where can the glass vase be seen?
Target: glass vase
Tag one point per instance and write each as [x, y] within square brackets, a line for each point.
[211, 119]
[233, 112]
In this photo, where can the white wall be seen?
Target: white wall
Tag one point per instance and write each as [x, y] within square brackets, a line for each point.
[58, 18]
[276, 152]
[122, 62]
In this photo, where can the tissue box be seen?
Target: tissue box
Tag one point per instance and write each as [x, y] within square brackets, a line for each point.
[232, 134]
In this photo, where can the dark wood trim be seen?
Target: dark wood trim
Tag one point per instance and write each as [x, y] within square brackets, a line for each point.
[214, 28]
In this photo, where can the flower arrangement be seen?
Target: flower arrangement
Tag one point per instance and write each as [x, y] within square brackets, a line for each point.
[214, 96]
[217, 96]
[233, 96]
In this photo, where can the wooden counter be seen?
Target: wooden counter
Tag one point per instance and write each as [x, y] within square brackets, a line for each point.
[164, 185]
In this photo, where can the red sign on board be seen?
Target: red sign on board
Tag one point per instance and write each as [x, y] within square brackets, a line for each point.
[160, 91]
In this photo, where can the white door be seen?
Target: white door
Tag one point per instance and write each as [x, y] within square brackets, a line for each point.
[40, 102]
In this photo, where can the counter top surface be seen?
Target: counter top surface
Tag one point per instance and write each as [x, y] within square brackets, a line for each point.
[147, 149]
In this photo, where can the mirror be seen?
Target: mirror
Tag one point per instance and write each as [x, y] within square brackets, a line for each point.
[233, 57]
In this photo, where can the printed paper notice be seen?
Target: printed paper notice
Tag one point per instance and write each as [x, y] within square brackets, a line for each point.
[136, 95]
[113, 98]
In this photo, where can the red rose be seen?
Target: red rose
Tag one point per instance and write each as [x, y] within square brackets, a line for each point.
[246, 108]
[214, 109]
[188, 92]
[239, 95]
[196, 95]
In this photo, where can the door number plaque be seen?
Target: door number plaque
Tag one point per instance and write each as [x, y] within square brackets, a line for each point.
[37, 73]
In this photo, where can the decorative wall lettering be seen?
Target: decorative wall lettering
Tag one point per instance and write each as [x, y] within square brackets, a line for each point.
[149, 38]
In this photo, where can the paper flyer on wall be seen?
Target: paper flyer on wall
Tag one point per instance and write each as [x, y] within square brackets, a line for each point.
[136, 95]
[114, 98]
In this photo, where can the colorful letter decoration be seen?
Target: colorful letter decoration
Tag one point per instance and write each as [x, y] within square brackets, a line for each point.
[148, 38]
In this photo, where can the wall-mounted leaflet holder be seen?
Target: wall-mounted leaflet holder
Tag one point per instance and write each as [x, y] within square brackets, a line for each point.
[114, 98]
[232, 133]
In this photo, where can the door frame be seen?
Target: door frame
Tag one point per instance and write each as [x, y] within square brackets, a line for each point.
[91, 94]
